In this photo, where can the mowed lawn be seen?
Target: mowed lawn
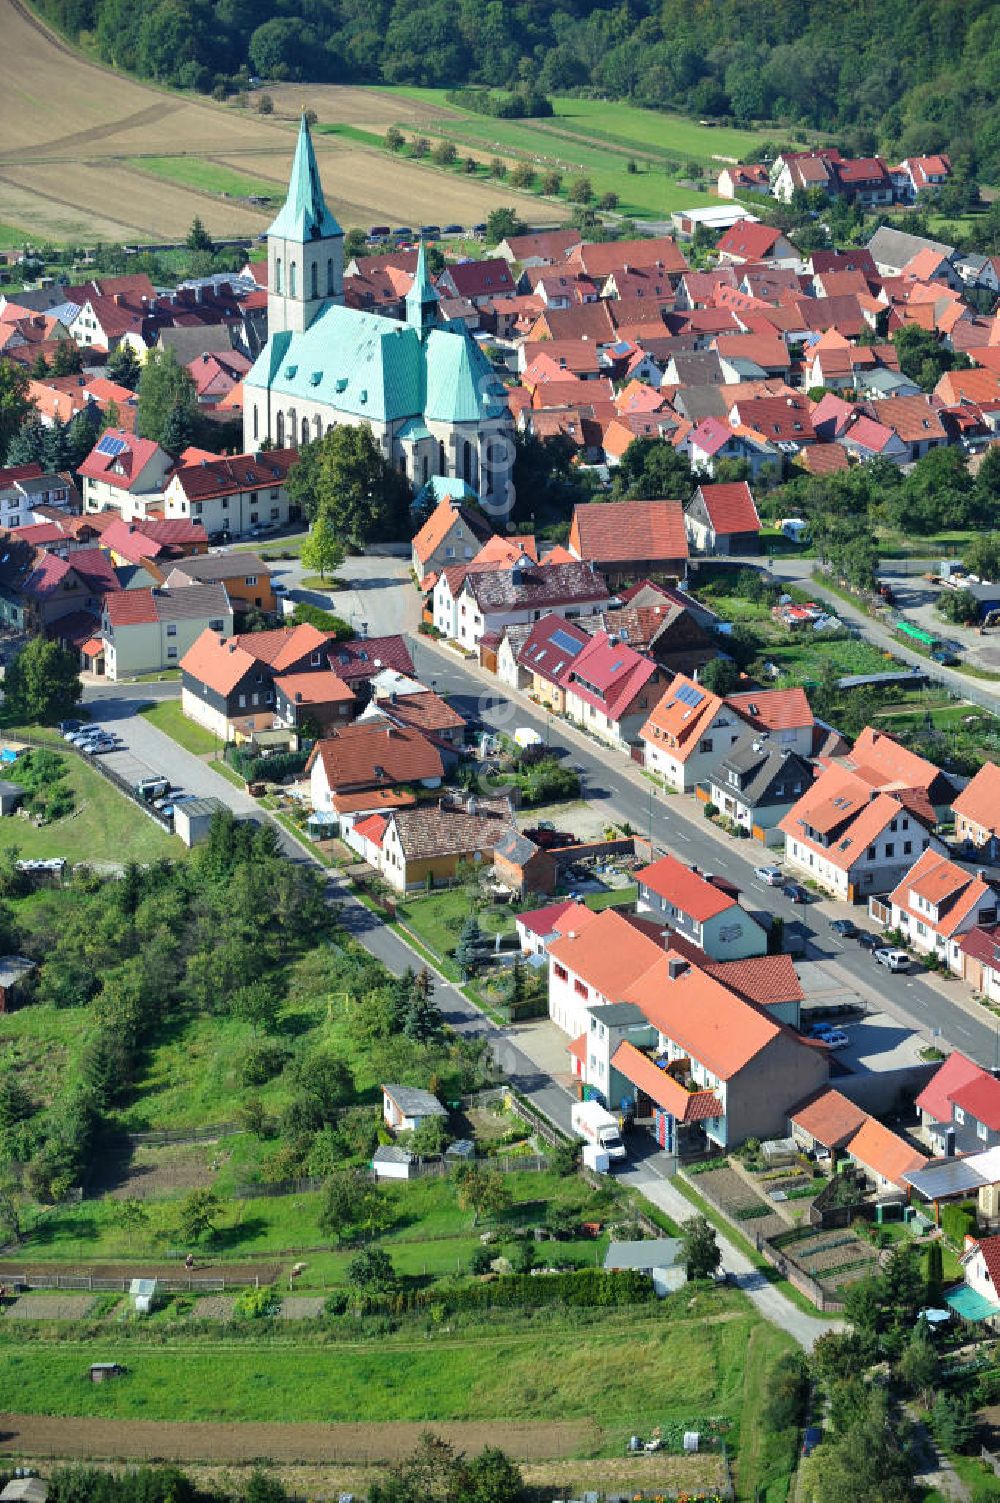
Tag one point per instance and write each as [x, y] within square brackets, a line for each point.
[208, 177]
[168, 717]
[104, 826]
[437, 919]
[633, 1371]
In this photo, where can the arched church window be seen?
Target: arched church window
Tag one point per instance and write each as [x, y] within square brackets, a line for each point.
[317, 427]
[329, 277]
[425, 469]
[305, 430]
[292, 279]
[442, 458]
[255, 432]
[279, 429]
[467, 462]
[277, 273]
[314, 280]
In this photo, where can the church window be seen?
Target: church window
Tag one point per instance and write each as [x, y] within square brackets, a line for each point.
[317, 427]
[402, 464]
[293, 428]
[280, 430]
[442, 458]
[292, 279]
[329, 277]
[314, 280]
[305, 430]
[467, 463]
[425, 467]
[277, 273]
[255, 422]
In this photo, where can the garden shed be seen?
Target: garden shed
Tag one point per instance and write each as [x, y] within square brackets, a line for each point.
[143, 1293]
[391, 1162]
[405, 1107]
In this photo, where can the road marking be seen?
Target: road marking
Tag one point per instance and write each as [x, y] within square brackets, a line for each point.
[679, 835]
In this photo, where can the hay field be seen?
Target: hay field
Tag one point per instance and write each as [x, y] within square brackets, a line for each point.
[75, 135]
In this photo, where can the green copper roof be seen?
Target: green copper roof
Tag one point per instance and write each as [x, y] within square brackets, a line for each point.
[304, 215]
[422, 302]
[358, 362]
[462, 386]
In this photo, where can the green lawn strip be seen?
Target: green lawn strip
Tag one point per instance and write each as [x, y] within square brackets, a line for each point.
[45, 1044]
[104, 825]
[767, 1458]
[351, 133]
[652, 1369]
[619, 897]
[208, 177]
[437, 918]
[747, 1248]
[229, 773]
[168, 717]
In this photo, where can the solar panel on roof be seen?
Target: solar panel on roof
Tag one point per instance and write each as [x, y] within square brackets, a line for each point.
[565, 642]
[689, 695]
[110, 445]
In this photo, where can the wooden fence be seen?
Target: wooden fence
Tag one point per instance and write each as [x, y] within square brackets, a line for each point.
[507, 1163]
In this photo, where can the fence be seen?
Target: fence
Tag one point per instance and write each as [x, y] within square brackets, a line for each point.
[99, 764]
[184, 1135]
[537, 1120]
[507, 1163]
[92, 1285]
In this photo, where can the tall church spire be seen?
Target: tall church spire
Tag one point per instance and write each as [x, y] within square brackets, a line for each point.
[304, 215]
[422, 302]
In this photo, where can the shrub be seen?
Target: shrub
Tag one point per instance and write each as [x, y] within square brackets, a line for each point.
[257, 1304]
[263, 1062]
[958, 1222]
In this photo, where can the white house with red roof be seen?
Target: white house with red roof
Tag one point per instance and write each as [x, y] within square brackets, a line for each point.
[948, 1103]
[723, 519]
[712, 440]
[687, 732]
[609, 689]
[702, 910]
[937, 902]
[915, 175]
[981, 1273]
[977, 812]
[147, 631]
[125, 474]
[783, 716]
[752, 241]
[232, 495]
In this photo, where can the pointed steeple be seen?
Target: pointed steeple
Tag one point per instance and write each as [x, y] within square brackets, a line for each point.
[422, 302]
[304, 215]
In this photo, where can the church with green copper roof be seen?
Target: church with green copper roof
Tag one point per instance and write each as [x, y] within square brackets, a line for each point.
[422, 384]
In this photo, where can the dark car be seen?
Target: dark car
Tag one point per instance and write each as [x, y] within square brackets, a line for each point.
[795, 893]
[811, 1439]
[846, 928]
[945, 657]
[867, 940]
[454, 229]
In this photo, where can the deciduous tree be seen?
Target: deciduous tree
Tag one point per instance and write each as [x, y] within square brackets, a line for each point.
[42, 683]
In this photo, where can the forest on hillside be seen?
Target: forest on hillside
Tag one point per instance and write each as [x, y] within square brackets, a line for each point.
[903, 76]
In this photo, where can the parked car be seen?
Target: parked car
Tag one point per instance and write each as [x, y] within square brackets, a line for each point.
[846, 928]
[893, 960]
[796, 893]
[454, 229]
[67, 727]
[771, 876]
[811, 1439]
[867, 940]
[821, 1031]
[837, 1039]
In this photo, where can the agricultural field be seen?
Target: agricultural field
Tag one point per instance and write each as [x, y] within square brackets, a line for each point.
[75, 127]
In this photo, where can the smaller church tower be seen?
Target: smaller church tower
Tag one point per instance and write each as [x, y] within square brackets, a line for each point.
[305, 249]
[423, 306]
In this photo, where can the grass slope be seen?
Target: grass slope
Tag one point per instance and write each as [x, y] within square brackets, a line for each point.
[207, 177]
[104, 826]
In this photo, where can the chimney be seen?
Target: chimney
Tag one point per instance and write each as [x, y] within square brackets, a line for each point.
[676, 967]
[298, 696]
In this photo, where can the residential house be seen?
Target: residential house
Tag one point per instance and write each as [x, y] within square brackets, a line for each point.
[522, 866]
[541, 248]
[125, 474]
[609, 689]
[24, 488]
[756, 783]
[227, 683]
[687, 732]
[312, 703]
[960, 1107]
[937, 902]
[977, 812]
[428, 845]
[915, 175]
[853, 838]
[245, 577]
[672, 634]
[702, 910]
[825, 1123]
[892, 767]
[783, 715]
[981, 1274]
[38, 589]
[751, 241]
[913, 420]
[452, 534]
[980, 955]
[538, 926]
[631, 540]
[146, 631]
[233, 496]
[491, 599]
[723, 519]
[892, 249]
[599, 259]
[482, 282]
[539, 655]
[152, 544]
[865, 181]
[806, 170]
[359, 661]
[884, 1156]
[711, 441]
[745, 177]
[370, 754]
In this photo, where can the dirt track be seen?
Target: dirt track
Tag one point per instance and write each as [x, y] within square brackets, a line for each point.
[110, 1440]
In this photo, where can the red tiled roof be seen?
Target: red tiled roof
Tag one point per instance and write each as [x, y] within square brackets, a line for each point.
[954, 892]
[680, 717]
[546, 921]
[372, 827]
[773, 709]
[763, 979]
[120, 470]
[630, 531]
[749, 241]
[373, 753]
[314, 688]
[884, 1152]
[829, 1118]
[710, 1022]
[684, 888]
[980, 1099]
[607, 675]
[131, 608]
[227, 475]
[730, 507]
[661, 1087]
[363, 657]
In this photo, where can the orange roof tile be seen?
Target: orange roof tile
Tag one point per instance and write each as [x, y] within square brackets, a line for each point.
[660, 1086]
[773, 709]
[680, 716]
[630, 531]
[829, 1117]
[605, 951]
[762, 979]
[946, 887]
[703, 1017]
[979, 800]
[439, 524]
[375, 754]
[884, 1152]
[684, 888]
[730, 507]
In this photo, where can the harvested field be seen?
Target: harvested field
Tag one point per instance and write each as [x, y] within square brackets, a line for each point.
[50, 1307]
[71, 119]
[367, 109]
[150, 1173]
[145, 1439]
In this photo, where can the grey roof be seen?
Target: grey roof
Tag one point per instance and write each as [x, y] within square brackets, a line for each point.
[767, 773]
[14, 968]
[192, 602]
[189, 341]
[10, 790]
[25, 1490]
[697, 402]
[895, 248]
[200, 806]
[208, 567]
[146, 1287]
[514, 846]
[391, 1153]
[618, 1014]
[528, 586]
[698, 368]
[658, 1252]
[950, 1177]
[413, 1102]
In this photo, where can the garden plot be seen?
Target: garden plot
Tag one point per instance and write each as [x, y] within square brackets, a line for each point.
[213, 1307]
[302, 1306]
[834, 1258]
[740, 1201]
[50, 1307]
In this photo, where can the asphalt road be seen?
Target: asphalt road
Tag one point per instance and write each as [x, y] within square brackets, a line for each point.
[608, 776]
